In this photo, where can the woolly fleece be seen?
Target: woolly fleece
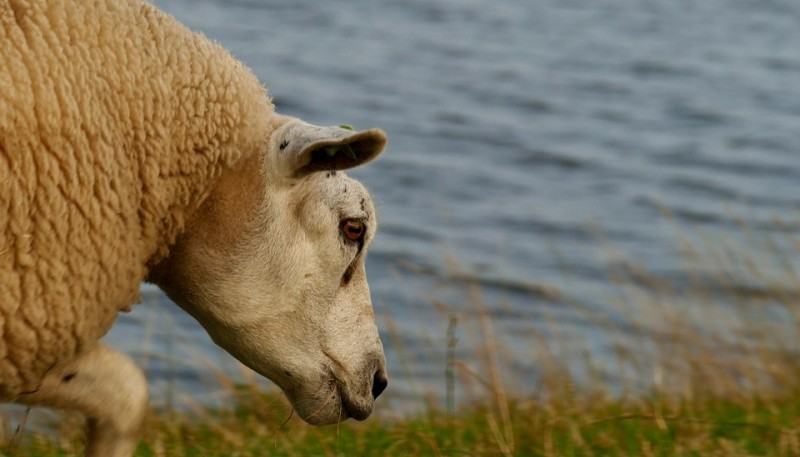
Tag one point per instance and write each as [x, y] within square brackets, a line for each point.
[93, 189]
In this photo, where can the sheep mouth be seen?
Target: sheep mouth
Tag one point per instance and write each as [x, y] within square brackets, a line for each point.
[352, 406]
[358, 410]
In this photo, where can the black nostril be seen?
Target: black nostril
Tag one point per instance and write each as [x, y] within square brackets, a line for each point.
[379, 384]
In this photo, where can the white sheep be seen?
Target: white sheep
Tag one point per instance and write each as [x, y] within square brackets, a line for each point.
[132, 149]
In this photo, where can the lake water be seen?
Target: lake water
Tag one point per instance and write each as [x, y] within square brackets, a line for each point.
[531, 142]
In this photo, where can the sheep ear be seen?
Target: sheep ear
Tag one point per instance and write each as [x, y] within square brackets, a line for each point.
[304, 148]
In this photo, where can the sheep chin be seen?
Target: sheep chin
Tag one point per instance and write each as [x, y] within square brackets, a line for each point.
[331, 402]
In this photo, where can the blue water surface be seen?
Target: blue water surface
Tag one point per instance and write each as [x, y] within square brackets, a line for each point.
[533, 144]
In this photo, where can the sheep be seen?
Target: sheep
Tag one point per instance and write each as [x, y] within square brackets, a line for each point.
[135, 150]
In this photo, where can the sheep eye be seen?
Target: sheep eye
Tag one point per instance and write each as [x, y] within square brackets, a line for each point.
[353, 230]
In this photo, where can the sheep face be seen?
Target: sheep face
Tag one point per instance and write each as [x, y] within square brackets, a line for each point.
[272, 266]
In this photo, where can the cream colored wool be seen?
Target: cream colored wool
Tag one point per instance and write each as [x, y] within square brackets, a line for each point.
[132, 149]
[94, 189]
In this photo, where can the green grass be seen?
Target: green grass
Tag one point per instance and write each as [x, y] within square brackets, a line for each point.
[571, 426]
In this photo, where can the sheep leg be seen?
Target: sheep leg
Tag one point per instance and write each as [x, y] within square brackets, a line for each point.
[109, 389]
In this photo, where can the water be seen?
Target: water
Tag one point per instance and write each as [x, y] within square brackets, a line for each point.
[518, 129]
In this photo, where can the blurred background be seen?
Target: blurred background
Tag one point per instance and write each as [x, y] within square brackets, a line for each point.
[565, 181]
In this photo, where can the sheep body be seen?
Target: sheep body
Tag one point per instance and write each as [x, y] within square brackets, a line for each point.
[133, 149]
[115, 121]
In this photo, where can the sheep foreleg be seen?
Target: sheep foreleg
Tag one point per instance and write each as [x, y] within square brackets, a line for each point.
[109, 389]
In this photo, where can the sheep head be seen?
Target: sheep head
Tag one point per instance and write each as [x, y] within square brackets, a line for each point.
[272, 266]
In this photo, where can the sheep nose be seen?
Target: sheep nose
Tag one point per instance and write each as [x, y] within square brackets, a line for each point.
[379, 383]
